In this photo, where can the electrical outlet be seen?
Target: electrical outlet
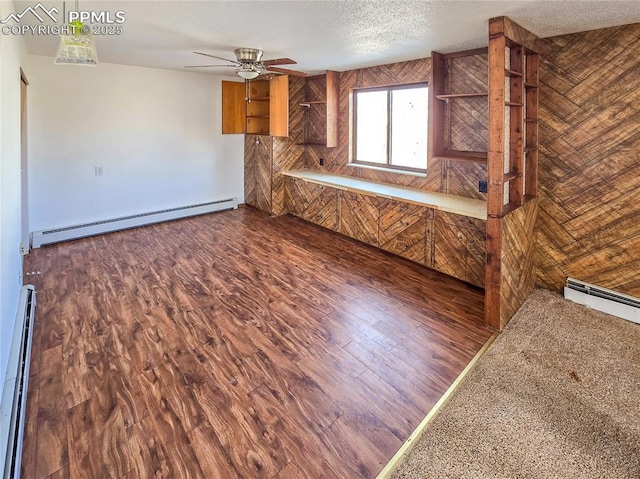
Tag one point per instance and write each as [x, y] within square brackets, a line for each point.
[321, 161]
[99, 171]
[482, 186]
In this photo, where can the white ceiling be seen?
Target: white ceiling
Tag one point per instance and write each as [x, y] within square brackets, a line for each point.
[321, 34]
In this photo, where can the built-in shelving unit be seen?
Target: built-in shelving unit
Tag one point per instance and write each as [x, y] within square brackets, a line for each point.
[321, 110]
[512, 169]
[259, 107]
[442, 98]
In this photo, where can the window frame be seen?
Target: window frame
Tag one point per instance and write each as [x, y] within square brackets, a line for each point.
[354, 130]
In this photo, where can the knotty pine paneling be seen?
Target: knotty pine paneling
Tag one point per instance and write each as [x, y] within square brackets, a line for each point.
[589, 170]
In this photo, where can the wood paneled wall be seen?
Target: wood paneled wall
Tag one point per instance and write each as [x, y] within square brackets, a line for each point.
[588, 224]
[443, 176]
[287, 153]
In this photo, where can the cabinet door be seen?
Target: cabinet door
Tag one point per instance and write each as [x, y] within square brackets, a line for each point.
[323, 208]
[299, 196]
[449, 252]
[402, 230]
[233, 107]
[359, 216]
[279, 106]
[476, 255]
[257, 171]
[250, 170]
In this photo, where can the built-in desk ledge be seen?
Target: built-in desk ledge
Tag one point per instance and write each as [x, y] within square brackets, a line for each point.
[440, 201]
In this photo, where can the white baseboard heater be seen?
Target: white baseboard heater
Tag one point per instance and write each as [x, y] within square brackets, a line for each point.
[39, 238]
[14, 394]
[602, 299]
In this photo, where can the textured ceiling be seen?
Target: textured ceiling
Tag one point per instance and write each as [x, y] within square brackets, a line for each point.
[321, 35]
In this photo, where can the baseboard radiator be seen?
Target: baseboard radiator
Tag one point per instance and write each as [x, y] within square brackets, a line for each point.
[602, 299]
[14, 394]
[39, 238]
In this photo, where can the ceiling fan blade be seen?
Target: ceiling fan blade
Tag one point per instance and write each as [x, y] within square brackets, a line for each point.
[218, 58]
[209, 66]
[279, 61]
[286, 71]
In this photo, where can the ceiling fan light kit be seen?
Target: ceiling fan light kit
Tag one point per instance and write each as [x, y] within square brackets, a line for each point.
[249, 64]
[248, 72]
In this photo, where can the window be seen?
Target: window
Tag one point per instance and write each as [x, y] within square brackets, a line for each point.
[390, 127]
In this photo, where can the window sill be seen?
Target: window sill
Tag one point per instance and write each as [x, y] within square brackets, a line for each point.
[422, 174]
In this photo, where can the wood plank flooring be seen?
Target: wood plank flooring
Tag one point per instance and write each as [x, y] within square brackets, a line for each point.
[235, 345]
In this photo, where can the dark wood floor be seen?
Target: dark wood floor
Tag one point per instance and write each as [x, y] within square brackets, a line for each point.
[236, 345]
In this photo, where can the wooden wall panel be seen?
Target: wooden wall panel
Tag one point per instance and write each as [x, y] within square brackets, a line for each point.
[257, 171]
[468, 118]
[250, 170]
[287, 154]
[590, 159]
[459, 180]
[518, 259]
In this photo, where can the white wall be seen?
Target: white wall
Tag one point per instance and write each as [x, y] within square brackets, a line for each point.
[11, 49]
[155, 133]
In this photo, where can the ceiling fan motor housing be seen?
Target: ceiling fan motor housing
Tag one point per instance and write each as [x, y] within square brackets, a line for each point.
[248, 55]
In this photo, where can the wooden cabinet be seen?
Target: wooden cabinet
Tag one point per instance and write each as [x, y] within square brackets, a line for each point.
[407, 230]
[359, 217]
[257, 171]
[459, 247]
[233, 107]
[312, 202]
[259, 107]
[450, 243]
[321, 110]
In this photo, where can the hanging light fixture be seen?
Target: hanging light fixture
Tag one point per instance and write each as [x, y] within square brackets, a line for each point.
[248, 71]
[77, 48]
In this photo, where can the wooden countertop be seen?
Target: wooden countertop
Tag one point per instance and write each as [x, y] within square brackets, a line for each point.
[440, 201]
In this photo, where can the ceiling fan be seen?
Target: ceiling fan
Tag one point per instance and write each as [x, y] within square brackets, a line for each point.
[249, 64]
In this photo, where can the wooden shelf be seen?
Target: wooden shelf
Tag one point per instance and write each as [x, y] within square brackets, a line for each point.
[509, 207]
[510, 176]
[512, 73]
[470, 156]
[308, 104]
[327, 111]
[529, 148]
[533, 120]
[259, 107]
[530, 85]
[447, 96]
[512, 103]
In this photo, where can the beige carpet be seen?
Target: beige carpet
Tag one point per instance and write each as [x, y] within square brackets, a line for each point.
[556, 396]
